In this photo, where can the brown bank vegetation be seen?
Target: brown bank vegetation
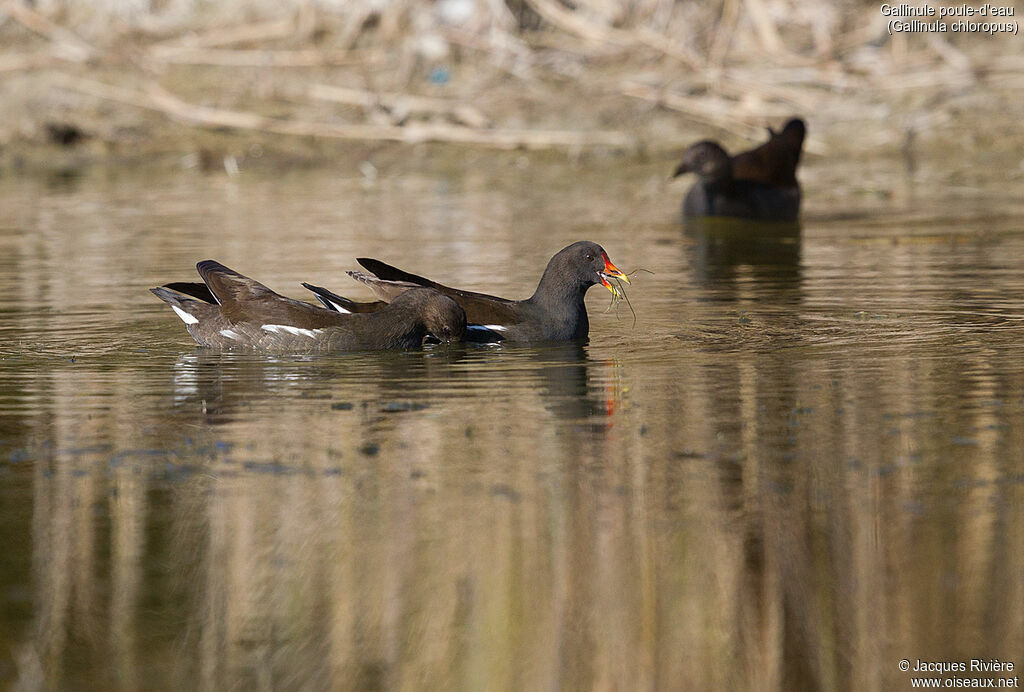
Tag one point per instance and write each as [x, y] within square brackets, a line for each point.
[228, 83]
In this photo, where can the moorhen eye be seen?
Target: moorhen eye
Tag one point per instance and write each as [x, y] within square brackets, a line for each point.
[590, 258]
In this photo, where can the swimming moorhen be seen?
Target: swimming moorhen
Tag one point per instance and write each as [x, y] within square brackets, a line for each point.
[757, 184]
[230, 310]
[555, 311]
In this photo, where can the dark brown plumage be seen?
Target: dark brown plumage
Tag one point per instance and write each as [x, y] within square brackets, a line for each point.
[757, 184]
[230, 310]
[555, 312]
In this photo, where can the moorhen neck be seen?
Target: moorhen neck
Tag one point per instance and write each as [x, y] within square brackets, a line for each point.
[555, 312]
[230, 310]
[757, 184]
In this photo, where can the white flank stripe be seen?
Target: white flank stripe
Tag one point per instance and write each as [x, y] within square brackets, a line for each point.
[339, 308]
[185, 317]
[297, 331]
[230, 334]
[489, 330]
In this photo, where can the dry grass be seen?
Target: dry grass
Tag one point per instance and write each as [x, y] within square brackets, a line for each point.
[599, 75]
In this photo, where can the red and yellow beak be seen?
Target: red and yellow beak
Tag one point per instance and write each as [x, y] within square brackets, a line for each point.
[611, 272]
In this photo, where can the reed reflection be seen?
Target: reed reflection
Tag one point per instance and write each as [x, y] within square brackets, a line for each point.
[573, 386]
[503, 533]
[220, 385]
[786, 503]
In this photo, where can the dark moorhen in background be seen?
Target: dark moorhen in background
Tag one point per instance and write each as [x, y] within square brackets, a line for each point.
[758, 184]
[230, 310]
[555, 312]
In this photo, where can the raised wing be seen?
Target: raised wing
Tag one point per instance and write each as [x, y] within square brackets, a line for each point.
[332, 301]
[481, 309]
[386, 272]
[243, 299]
[775, 161]
[194, 289]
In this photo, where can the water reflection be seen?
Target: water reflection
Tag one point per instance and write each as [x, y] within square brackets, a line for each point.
[792, 499]
[223, 385]
[573, 386]
[300, 530]
[727, 252]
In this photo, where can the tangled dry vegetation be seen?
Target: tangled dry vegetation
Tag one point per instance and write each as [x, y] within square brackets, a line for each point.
[645, 75]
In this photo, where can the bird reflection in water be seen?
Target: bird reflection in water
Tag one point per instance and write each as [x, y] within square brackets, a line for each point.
[216, 386]
[727, 252]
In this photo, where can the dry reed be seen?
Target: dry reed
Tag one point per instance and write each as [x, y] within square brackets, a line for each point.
[498, 74]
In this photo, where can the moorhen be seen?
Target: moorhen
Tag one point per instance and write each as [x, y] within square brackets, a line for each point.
[757, 184]
[555, 311]
[230, 310]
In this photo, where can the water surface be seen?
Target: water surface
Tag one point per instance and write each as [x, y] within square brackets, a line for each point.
[799, 465]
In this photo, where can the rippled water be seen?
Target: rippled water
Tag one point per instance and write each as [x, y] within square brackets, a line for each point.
[801, 464]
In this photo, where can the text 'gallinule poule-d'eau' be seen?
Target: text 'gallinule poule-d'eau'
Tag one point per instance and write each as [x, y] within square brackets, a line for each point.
[230, 310]
[555, 312]
[757, 184]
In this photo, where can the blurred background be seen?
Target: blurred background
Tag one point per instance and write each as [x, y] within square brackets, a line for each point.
[791, 460]
[217, 83]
